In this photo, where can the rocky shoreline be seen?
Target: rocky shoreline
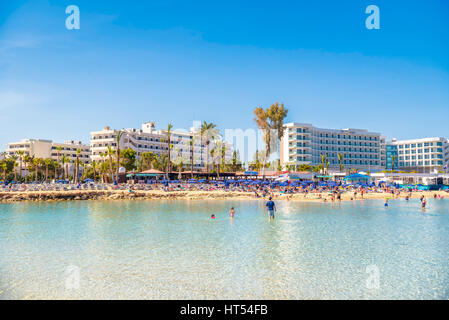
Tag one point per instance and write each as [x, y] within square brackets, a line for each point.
[6, 197]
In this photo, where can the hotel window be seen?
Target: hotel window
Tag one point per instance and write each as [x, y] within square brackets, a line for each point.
[419, 145]
[401, 146]
[426, 150]
[413, 145]
[419, 150]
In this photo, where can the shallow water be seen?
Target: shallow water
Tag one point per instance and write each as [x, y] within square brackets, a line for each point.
[174, 250]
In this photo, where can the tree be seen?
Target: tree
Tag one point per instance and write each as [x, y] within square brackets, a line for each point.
[20, 154]
[192, 146]
[77, 168]
[65, 166]
[94, 166]
[169, 127]
[48, 162]
[4, 167]
[129, 159]
[110, 152]
[27, 159]
[37, 163]
[118, 136]
[58, 150]
[393, 160]
[323, 160]
[268, 120]
[340, 157]
[208, 131]
[305, 167]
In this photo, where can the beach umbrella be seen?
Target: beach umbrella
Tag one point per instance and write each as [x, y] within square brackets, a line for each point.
[202, 181]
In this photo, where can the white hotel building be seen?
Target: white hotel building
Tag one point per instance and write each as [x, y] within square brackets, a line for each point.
[303, 144]
[425, 155]
[40, 148]
[148, 139]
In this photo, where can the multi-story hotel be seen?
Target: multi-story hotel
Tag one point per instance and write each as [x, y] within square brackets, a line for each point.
[422, 155]
[304, 144]
[41, 148]
[148, 139]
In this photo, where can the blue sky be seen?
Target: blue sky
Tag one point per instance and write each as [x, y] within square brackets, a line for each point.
[180, 61]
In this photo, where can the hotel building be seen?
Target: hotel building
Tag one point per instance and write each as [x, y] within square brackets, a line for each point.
[148, 139]
[425, 155]
[304, 143]
[40, 148]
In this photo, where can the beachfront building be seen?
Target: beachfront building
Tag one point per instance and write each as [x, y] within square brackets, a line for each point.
[426, 155]
[41, 148]
[304, 144]
[148, 139]
[391, 151]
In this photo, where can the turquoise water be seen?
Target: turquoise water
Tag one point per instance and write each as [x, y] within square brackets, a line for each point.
[174, 250]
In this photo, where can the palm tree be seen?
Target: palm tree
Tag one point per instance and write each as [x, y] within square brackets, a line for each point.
[223, 156]
[110, 153]
[268, 120]
[393, 159]
[48, 162]
[65, 166]
[15, 164]
[27, 159]
[58, 150]
[77, 168]
[340, 161]
[118, 136]
[208, 131]
[94, 165]
[20, 155]
[327, 166]
[192, 146]
[169, 127]
[323, 160]
[4, 167]
[36, 163]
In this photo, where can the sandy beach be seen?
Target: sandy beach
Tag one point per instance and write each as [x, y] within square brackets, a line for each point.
[193, 195]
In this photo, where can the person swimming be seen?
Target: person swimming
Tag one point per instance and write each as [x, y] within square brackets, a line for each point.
[213, 216]
[232, 212]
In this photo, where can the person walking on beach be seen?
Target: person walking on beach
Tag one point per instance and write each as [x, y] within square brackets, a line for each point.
[271, 209]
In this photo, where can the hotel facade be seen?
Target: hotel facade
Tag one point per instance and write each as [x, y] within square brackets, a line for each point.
[148, 139]
[426, 155]
[304, 144]
[41, 148]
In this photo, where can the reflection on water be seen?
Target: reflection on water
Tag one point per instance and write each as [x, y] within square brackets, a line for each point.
[174, 250]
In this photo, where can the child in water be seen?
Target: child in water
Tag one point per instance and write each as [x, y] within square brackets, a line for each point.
[232, 212]
[213, 216]
[386, 202]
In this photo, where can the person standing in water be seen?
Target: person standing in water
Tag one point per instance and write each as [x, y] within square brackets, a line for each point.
[271, 209]
[231, 213]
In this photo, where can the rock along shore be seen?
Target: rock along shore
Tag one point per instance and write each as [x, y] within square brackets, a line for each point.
[8, 197]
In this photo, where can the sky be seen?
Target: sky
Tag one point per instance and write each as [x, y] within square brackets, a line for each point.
[183, 61]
